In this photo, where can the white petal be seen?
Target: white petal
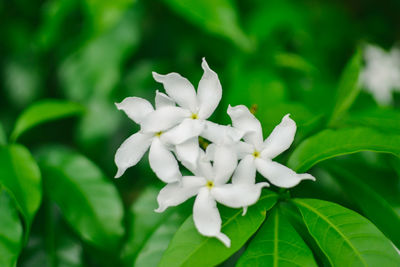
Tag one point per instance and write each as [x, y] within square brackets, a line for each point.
[225, 162]
[131, 151]
[243, 149]
[164, 118]
[245, 172]
[243, 119]
[237, 195]
[221, 134]
[280, 175]
[188, 152]
[206, 216]
[135, 107]
[162, 100]
[179, 89]
[163, 162]
[209, 92]
[186, 130]
[280, 139]
[176, 193]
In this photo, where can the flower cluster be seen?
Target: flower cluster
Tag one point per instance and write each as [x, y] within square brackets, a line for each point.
[172, 132]
[381, 74]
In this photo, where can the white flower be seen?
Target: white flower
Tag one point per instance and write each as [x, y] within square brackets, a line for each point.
[210, 186]
[161, 159]
[257, 155]
[197, 108]
[381, 74]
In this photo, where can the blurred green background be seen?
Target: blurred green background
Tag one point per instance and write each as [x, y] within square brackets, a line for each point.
[277, 56]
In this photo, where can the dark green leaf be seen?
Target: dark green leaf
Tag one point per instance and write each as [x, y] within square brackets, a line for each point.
[374, 206]
[151, 253]
[43, 111]
[332, 143]
[348, 87]
[346, 238]
[189, 248]
[277, 244]
[87, 199]
[219, 17]
[20, 176]
[3, 136]
[10, 231]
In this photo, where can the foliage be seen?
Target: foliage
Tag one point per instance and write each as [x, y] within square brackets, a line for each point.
[64, 63]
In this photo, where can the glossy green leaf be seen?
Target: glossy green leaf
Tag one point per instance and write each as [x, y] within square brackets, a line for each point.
[346, 238]
[219, 17]
[10, 231]
[277, 244]
[374, 206]
[20, 176]
[348, 88]
[157, 243]
[332, 143]
[385, 120]
[44, 111]
[189, 248]
[87, 199]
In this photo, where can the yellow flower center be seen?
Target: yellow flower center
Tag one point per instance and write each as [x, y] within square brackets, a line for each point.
[210, 184]
[256, 154]
[194, 116]
[158, 134]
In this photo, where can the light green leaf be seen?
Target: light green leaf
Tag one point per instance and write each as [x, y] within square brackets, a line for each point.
[189, 248]
[374, 206]
[44, 111]
[87, 199]
[332, 143]
[10, 231]
[218, 17]
[346, 238]
[151, 253]
[277, 244]
[20, 176]
[385, 120]
[348, 88]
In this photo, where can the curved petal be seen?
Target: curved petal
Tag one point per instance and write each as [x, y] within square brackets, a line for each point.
[186, 130]
[280, 139]
[188, 152]
[131, 151]
[280, 175]
[237, 195]
[245, 172]
[176, 193]
[221, 134]
[206, 216]
[179, 89]
[162, 100]
[225, 162]
[243, 119]
[243, 149]
[209, 91]
[163, 162]
[135, 107]
[164, 118]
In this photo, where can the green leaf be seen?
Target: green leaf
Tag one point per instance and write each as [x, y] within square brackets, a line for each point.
[373, 205]
[20, 176]
[218, 17]
[152, 251]
[44, 111]
[385, 120]
[348, 88]
[277, 244]
[189, 248]
[332, 143]
[87, 199]
[346, 238]
[10, 231]
[3, 136]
